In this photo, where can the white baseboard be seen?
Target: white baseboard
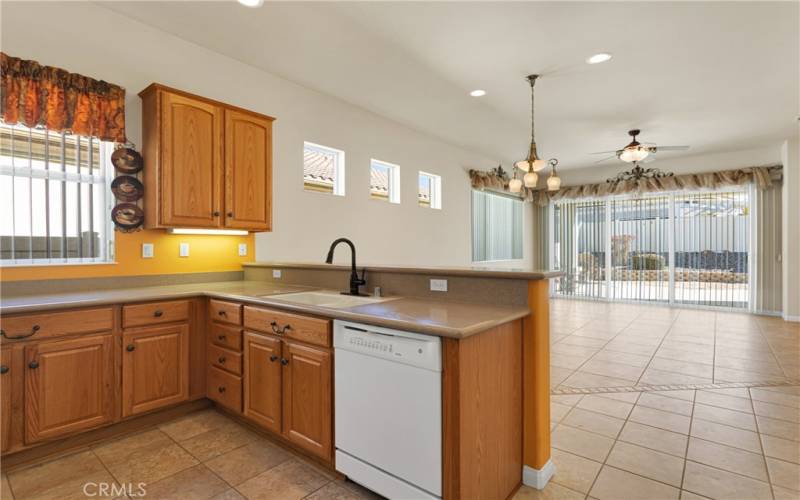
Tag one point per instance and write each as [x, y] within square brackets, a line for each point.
[538, 478]
[786, 317]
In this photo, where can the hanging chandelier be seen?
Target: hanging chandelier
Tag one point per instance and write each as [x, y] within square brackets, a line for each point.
[533, 164]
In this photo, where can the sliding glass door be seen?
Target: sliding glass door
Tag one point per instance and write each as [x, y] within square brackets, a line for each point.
[687, 248]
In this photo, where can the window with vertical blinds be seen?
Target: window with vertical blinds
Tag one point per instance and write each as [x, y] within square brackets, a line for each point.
[54, 197]
[496, 227]
[682, 248]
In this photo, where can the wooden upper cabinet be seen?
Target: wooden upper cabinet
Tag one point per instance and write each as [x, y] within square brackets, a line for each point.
[155, 368]
[262, 375]
[248, 171]
[68, 386]
[207, 164]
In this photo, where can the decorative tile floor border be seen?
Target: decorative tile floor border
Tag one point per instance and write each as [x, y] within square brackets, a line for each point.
[672, 387]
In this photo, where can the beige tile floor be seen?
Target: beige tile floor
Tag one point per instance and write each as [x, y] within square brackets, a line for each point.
[622, 436]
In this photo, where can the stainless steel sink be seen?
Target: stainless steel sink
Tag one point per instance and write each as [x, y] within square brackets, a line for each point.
[330, 299]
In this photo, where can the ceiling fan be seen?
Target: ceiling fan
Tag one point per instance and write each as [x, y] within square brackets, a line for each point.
[636, 151]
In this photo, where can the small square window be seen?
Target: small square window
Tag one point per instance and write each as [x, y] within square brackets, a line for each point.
[430, 190]
[323, 169]
[384, 181]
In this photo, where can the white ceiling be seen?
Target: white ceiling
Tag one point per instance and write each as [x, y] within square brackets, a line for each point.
[719, 76]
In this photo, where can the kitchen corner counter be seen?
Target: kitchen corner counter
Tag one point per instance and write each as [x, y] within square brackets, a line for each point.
[435, 317]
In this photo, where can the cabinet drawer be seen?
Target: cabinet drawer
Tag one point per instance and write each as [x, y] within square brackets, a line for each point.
[225, 389]
[223, 358]
[304, 328]
[155, 313]
[226, 336]
[56, 324]
[226, 312]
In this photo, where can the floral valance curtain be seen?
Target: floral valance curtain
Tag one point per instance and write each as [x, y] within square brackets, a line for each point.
[36, 95]
[762, 177]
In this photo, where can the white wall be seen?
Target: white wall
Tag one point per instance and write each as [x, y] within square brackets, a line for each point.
[790, 152]
[97, 42]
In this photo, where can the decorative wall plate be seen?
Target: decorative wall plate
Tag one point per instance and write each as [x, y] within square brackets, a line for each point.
[127, 216]
[127, 160]
[127, 188]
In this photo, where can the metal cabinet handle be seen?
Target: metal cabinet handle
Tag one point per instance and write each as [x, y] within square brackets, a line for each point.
[221, 360]
[221, 389]
[130, 348]
[284, 361]
[216, 213]
[230, 214]
[273, 357]
[279, 330]
[3, 370]
[158, 313]
[34, 329]
[33, 365]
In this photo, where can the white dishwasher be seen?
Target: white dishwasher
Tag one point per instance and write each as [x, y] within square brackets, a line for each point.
[388, 390]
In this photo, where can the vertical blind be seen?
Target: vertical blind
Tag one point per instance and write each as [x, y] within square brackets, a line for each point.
[687, 248]
[496, 227]
[53, 197]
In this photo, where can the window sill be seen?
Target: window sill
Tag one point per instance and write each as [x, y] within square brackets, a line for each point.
[4, 265]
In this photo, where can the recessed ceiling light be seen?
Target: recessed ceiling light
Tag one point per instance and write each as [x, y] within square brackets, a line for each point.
[251, 3]
[478, 93]
[597, 58]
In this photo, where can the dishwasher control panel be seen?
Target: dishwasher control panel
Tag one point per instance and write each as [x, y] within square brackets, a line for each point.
[409, 348]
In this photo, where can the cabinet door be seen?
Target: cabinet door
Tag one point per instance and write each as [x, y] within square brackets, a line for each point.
[68, 386]
[191, 162]
[155, 368]
[5, 409]
[262, 375]
[307, 416]
[248, 171]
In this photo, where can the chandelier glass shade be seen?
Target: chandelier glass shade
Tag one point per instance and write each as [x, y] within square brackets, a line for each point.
[515, 185]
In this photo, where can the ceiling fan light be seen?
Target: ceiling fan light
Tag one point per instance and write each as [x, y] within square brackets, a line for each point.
[531, 179]
[553, 183]
[515, 185]
[633, 154]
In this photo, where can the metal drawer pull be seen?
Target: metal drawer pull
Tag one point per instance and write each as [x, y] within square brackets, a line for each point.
[278, 330]
[284, 361]
[221, 337]
[158, 313]
[33, 365]
[130, 348]
[221, 360]
[34, 329]
[222, 313]
[3, 370]
[273, 357]
[221, 389]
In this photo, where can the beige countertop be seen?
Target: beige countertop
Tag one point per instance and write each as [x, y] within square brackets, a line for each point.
[435, 317]
[474, 272]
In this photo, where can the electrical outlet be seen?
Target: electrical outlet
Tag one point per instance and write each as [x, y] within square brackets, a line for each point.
[438, 285]
[147, 250]
[183, 250]
[276, 273]
[242, 249]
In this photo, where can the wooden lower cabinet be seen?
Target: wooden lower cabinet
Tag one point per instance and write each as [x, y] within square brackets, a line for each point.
[262, 372]
[288, 389]
[6, 402]
[155, 368]
[68, 386]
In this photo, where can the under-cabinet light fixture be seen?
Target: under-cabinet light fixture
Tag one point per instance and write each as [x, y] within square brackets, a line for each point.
[221, 232]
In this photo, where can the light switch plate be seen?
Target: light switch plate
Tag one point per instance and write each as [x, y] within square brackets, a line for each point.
[438, 285]
[183, 250]
[276, 273]
[147, 250]
[242, 249]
